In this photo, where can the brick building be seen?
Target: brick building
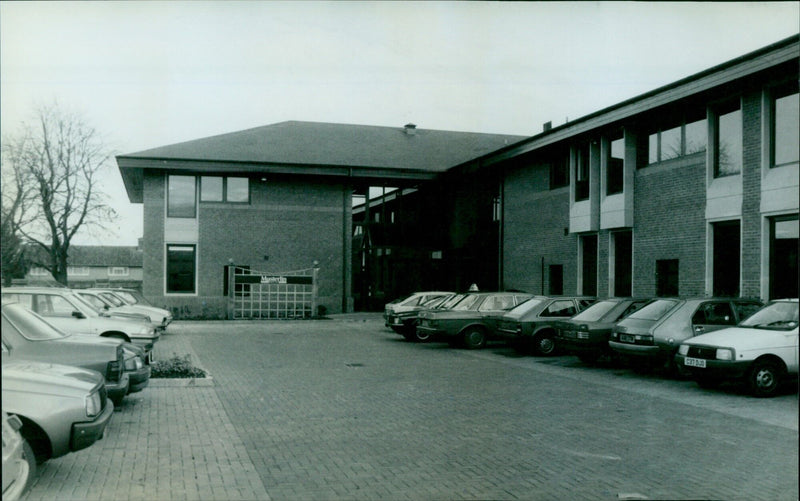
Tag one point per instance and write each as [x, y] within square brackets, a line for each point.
[96, 266]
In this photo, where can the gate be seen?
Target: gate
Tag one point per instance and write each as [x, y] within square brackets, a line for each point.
[261, 294]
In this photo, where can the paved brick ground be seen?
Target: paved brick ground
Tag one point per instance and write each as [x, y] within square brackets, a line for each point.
[345, 409]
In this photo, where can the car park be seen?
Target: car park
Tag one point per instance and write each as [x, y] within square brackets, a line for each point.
[63, 408]
[531, 325]
[19, 463]
[131, 301]
[69, 313]
[401, 315]
[102, 304]
[650, 336]
[586, 334]
[471, 321]
[26, 336]
[762, 351]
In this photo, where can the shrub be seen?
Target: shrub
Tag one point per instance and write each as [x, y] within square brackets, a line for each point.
[176, 367]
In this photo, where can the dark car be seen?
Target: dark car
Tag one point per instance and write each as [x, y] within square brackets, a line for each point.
[650, 337]
[531, 325]
[471, 321]
[26, 336]
[401, 314]
[586, 334]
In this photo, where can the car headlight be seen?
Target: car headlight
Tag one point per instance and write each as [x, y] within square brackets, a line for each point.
[724, 354]
[93, 404]
[133, 364]
[146, 331]
[683, 349]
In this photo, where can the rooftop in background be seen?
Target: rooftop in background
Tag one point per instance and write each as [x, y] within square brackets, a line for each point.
[326, 149]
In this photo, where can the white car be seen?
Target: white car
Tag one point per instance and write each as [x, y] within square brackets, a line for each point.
[133, 301]
[401, 314]
[108, 302]
[762, 350]
[68, 312]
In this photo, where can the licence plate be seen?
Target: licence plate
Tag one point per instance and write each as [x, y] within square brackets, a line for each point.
[694, 362]
[627, 338]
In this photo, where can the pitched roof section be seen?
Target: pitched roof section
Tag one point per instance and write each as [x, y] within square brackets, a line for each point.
[105, 255]
[320, 149]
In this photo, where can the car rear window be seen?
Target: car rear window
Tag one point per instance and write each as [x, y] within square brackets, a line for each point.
[654, 310]
[30, 325]
[595, 311]
[466, 303]
[527, 306]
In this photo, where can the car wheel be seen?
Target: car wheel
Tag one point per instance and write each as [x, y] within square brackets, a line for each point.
[764, 378]
[30, 458]
[474, 338]
[421, 336]
[544, 344]
[589, 358]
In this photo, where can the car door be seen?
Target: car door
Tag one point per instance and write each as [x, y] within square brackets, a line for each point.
[60, 312]
[711, 316]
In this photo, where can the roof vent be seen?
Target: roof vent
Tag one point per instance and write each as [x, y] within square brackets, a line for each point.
[547, 126]
[411, 129]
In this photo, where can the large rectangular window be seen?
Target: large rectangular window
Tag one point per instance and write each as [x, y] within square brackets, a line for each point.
[559, 171]
[589, 262]
[676, 139]
[211, 189]
[181, 196]
[784, 238]
[728, 141]
[582, 169]
[237, 190]
[785, 126]
[727, 242]
[615, 165]
[623, 262]
[181, 269]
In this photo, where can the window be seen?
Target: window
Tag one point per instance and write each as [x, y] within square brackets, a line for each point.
[38, 271]
[181, 196]
[556, 279]
[783, 258]
[237, 190]
[676, 140]
[623, 262]
[744, 310]
[589, 262]
[726, 255]
[78, 271]
[666, 277]
[559, 171]
[118, 271]
[714, 314]
[497, 303]
[180, 269]
[615, 165]
[48, 305]
[496, 209]
[582, 173]
[785, 143]
[211, 189]
[560, 308]
[728, 141]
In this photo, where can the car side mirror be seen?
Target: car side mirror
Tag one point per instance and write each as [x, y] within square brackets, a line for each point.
[78, 314]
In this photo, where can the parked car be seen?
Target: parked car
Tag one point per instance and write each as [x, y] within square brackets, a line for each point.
[69, 313]
[471, 321]
[63, 408]
[761, 351]
[136, 366]
[26, 336]
[531, 325]
[135, 298]
[19, 463]
[586, 334]
[131, 301]
[401, 314]
[118, 309]
[651, 335]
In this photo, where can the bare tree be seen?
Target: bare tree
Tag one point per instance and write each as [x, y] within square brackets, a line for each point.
[54, 164]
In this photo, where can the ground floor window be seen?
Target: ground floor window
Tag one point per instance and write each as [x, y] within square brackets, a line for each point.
[623, 262]
[666, 277]
[589, 264]
[727, 260]
[181, 269]
[783, 242]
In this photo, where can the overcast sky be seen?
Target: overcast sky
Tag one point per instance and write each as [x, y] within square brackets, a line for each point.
[148, 74]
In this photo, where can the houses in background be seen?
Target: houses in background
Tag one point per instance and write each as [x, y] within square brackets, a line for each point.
[96, 266]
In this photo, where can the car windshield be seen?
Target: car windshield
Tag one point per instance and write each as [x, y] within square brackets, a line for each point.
[112, 298]
[465, 303]
[93, 300]
[451, 301]
[87, 306]
[654, 310]
[780, 315]
[133, 297]
[30, 325]
[434, 302]
[595, 311]
[526, 306]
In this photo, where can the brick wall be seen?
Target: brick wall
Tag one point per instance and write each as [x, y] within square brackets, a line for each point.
[751, 195]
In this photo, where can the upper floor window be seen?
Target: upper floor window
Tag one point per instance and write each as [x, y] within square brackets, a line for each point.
[78, 271]
[118, 271]
[582, 173]
[728, 140]
[181, 196]
[785, 143]
[224, 189]
[559, 171]
[676, 140]
[615, 165]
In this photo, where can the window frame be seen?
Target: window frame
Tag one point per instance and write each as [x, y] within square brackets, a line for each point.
[583, 169]
[167, 282]
[722, 110]
[118, 271]
[170, 209]
[224, 197]
[559, 171]
[781, 91]
[667, 125]
[616, 174]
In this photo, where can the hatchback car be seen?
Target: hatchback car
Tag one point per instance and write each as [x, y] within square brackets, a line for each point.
[586, 334]
[67, 311]
[761, 351]
[63, 409]
[471, 321]
[132, 302]
[650, 336]
[531, 325]
[26, 336]
[19, 463]
[401, 315]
